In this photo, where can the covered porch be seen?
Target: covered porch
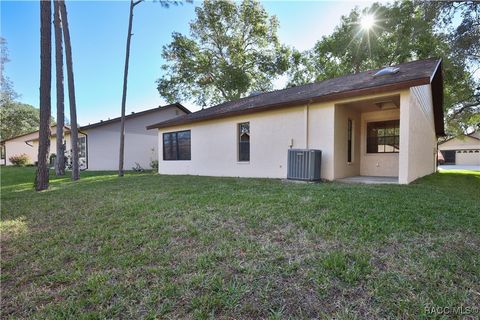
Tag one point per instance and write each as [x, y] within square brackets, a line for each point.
[367, 140]
[385, 139]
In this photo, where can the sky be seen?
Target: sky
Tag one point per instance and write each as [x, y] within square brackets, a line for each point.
[98, 32]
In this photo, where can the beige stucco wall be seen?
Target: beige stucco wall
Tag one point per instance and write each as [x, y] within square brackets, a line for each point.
[140, 144]
[318, 126]
[18, 146]
[53, 143]
[214, 144]
[321, 125]
[342, 167]
[28, 144]
[417, 134]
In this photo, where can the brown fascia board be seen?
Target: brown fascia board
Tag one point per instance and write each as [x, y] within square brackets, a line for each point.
[136, 114]
[324, 98]
[436, 82]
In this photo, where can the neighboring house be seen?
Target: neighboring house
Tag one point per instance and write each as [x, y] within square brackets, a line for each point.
[99, 143]
[103, 138]
[28, 144]
[365, 125]
[461, 150]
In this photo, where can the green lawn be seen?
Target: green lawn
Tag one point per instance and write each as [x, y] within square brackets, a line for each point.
[150, 246]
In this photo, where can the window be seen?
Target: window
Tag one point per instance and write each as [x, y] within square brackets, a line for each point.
[176, 145]
[244, 141]
[2, 151]
[383, 137]
[349, 140]
[82, 147]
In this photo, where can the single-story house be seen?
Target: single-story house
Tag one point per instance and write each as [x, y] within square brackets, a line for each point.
[375, 123]
[28, 144]
[99, 142]
[461, 150]
[103, 138]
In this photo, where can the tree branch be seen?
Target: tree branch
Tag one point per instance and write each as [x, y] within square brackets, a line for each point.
[137, 2]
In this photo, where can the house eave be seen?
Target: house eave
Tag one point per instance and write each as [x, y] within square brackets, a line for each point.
[324, 98]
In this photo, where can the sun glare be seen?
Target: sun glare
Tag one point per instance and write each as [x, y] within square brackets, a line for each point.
[367, 22]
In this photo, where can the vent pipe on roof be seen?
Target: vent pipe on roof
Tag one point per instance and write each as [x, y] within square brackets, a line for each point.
[386, 71]
[255, 93]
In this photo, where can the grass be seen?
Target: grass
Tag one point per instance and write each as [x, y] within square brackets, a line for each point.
[150, 246]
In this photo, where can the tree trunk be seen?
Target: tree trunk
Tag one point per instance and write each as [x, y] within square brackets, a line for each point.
[71, 91]
[41, 179]
[60, 159]
[124, 95]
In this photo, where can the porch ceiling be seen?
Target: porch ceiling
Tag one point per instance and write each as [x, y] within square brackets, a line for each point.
[375, 104]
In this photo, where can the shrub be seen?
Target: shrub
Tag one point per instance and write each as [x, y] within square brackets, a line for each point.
[20, 160]
[154, 165]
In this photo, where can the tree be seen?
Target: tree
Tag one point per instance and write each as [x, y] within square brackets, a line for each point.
[403, 31]
[42, 176]
[124, 93]
[7, 93]
[233, 49]
[163, 3]
[60, 152]
[18, 118]
[464, 42]
[71, 91]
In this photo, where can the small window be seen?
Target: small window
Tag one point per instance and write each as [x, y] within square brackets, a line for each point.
[244, 141]
[383, 137]
[177, 145]
[82, 147]
[476, 151]
[349, 140]
[458, 151]
[470, 151]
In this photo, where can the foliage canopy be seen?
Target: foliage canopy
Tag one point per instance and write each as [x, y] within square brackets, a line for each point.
[233, 49]
[405, 31]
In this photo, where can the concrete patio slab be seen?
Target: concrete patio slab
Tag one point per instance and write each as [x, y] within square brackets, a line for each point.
[458, 167]
[369, 180]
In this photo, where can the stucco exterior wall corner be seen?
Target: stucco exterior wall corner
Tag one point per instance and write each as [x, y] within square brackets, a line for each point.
[403, 162]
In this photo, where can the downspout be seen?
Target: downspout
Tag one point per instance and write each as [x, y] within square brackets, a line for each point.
[306, 112]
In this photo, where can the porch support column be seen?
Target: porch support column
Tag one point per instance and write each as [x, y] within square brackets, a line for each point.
[403, 157]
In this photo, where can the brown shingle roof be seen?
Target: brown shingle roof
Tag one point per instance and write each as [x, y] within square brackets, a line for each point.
[411, 74]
